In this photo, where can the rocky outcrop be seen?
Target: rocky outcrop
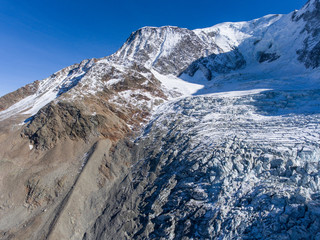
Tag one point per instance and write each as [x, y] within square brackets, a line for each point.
[66, 120]
[310, 15]
[267, 57]
[106, 114]
[215, 65]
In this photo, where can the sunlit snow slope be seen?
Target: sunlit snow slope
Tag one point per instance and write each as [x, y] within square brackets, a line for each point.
[275, 51]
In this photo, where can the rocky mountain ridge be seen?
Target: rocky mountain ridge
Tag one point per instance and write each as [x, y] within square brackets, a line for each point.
[215, 51]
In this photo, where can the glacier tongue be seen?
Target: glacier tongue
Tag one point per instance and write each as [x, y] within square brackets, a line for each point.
[241, 165]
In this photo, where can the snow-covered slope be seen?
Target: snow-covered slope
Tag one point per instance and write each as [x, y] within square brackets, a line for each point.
[49, 89]
[269, 49]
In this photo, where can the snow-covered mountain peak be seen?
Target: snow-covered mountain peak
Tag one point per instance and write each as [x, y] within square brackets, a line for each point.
[258, 43]
[272, 47]
[152, 28]
[160, 47]
[247, 28]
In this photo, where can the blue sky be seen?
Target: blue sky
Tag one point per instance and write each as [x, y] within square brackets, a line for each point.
[38, 38]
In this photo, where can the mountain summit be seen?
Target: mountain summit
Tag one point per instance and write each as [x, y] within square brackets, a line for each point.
[181, 134]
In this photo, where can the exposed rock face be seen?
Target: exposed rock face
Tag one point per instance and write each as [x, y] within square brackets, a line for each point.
[62, 120]
[217, 64]
[267, 57]
[311, 16]
[168, 49]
